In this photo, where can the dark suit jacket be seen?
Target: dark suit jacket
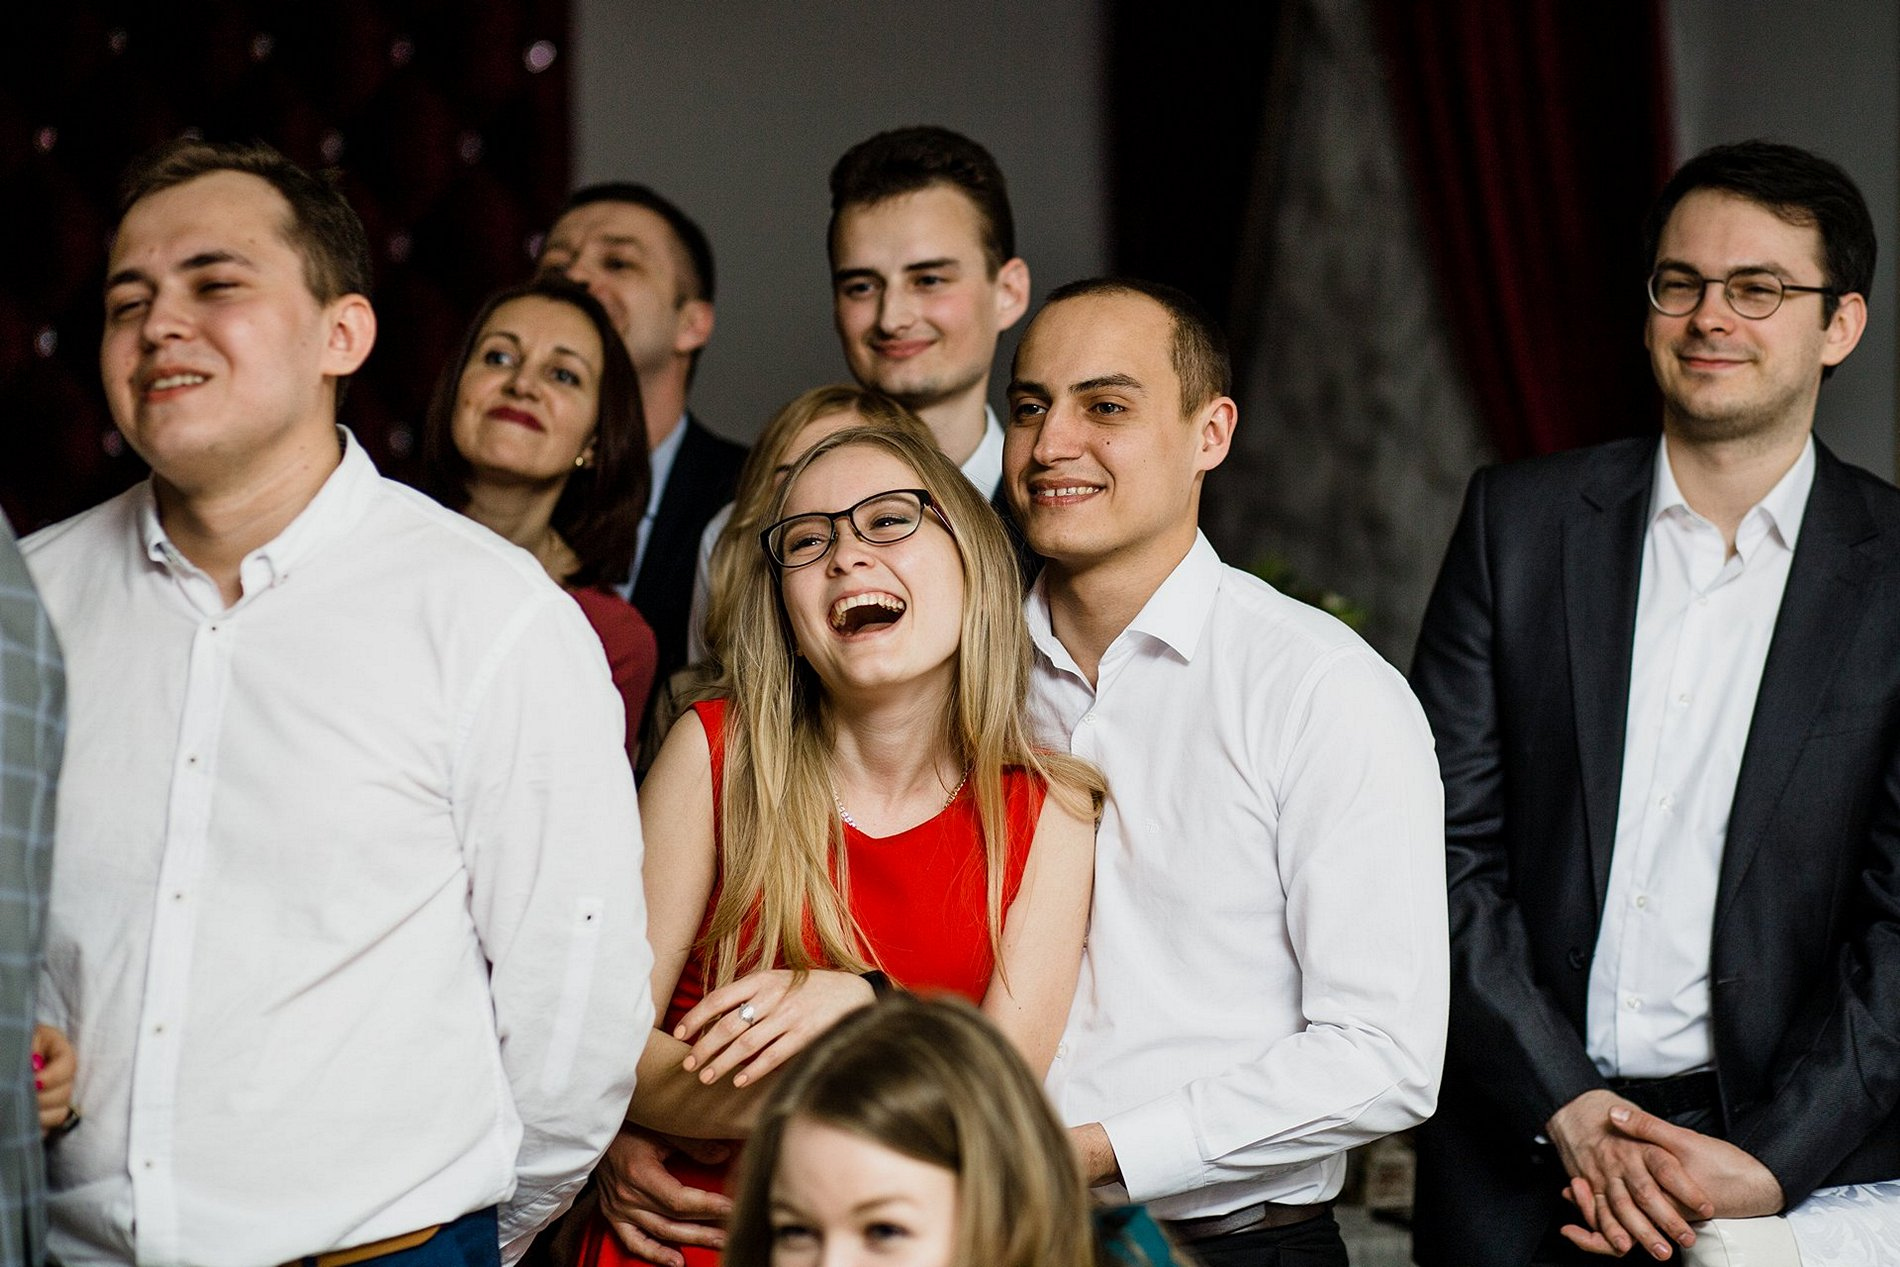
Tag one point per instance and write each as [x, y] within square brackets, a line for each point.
[705, 473]
[1523, 668]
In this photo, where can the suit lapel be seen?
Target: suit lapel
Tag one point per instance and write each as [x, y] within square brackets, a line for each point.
[1818, 616]
[1603, 552]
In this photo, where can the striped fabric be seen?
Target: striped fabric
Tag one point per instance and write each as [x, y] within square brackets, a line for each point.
[32, 732]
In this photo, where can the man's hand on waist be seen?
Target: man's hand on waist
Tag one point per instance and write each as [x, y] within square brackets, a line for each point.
[649, 1210]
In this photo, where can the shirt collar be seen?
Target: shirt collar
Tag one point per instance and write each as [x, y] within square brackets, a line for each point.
[660, 461]
[985, 466]
[1175, 614]
[339, 503]
[1782, 509]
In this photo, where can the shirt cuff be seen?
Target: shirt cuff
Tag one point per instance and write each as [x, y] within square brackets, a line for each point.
[521, 1223]
[1157, 1149]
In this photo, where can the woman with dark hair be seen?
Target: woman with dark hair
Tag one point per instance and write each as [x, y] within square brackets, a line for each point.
[536, 432]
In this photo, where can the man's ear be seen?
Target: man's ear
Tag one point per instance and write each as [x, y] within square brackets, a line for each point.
[351, 334]
[692, 326]
[1214, 424]
[1012, 293]
[1844, 328]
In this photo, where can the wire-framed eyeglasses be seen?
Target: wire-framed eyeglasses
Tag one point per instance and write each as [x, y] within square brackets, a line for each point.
[881, 519]
[1752, 292]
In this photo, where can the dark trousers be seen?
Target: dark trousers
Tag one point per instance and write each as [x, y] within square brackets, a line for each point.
[471, 1241]
[1313, 1243]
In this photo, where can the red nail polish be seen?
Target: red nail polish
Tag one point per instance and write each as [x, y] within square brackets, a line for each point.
[38, 1085]
[39, 1062]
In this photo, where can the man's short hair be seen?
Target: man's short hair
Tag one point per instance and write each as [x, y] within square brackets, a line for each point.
[691, 237]
[906, 160]
[1199, 347]
[323, 227]
[1800, 188]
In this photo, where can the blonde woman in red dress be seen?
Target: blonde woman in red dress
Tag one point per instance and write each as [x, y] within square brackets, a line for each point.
[867, 801]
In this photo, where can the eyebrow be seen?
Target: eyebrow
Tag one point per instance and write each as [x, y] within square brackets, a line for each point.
[1126, 382]
[203, 259]
[843, 274]
[1687, 267]
[515, 339]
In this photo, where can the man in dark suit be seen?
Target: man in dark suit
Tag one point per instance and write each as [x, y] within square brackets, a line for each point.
[1664, 680]
[651, 267]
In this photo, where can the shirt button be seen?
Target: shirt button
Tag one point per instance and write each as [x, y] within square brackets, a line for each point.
[1642, 900]
[1633, 1003]
[1665, 801]
[1089, 718]
[1682, 700]
[1062, 1050]
[159, 1028]
[149, 1163]
[1701, 600]
[192, 760]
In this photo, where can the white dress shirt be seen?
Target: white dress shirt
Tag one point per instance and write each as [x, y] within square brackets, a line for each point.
[1703, 624]
[1266, 979]
[660, 469]
[984, 469]
[346, 925]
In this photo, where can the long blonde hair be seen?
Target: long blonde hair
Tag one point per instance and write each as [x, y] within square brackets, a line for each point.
[933, 1081]
[782, 858]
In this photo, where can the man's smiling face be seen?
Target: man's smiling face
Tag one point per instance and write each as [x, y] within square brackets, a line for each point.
[1101, 461]
[917, 309]
[215, 352]
[1725, 376]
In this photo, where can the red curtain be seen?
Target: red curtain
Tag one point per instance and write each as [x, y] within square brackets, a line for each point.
[448, 121]
[1537, 132]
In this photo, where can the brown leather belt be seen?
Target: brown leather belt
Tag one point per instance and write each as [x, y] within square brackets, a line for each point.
[1262, 1216]
[363, 1253]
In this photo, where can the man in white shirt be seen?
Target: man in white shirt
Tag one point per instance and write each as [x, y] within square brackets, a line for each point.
[1664, 683]
[1265, 981]
[346, 919]
[651, 267]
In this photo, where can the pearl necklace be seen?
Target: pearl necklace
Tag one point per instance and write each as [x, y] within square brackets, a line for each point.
[849, 821]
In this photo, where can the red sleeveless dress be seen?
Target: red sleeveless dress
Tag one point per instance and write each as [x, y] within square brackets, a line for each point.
[919, 900]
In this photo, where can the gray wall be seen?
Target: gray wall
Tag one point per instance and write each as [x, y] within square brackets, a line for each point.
[1823, 74]
[737, 110]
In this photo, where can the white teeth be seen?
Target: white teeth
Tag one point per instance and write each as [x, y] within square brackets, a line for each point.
[1073, 490]
[889, 602]
[176, 380]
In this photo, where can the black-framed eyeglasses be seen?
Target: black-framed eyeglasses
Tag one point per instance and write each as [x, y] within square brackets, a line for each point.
[881, 519]
[1753, 293]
